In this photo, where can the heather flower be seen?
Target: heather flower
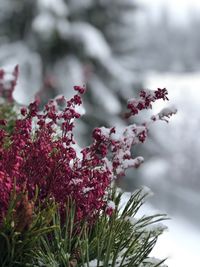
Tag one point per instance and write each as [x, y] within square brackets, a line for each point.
[80, 89]
[110, 207]
[40, 153]
[147, 97]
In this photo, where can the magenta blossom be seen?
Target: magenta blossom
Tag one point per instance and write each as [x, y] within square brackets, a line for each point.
[41, 153]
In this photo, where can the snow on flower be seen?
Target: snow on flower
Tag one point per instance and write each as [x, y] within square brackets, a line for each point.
[165, 114]
[111, 204]
[87, 189]
[35, 156]
[110, 207]
[8, 81]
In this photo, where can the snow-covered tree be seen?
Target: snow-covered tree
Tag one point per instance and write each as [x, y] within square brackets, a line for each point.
[72, 42]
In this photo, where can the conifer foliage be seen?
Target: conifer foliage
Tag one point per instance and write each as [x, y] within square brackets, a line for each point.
[72, 42]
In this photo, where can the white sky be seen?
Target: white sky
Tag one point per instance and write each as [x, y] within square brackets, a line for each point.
[178, 9]
[174, 4]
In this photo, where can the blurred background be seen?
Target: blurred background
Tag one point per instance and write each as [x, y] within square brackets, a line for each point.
[117, 47]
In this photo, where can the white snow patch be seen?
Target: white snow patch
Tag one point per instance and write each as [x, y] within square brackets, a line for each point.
[93, 263]
[87, 189]
[93, 41]
[44, 24]
[105, 131]
[30, 69]
[111, 204]
[127, 163]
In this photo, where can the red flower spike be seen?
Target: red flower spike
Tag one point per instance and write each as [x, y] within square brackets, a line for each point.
[41, 154]
[80, 89]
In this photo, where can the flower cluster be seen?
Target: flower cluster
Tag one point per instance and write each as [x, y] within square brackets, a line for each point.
[40, 152]
[147, 97]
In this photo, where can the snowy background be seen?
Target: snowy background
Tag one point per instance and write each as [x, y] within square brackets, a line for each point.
[117, 47]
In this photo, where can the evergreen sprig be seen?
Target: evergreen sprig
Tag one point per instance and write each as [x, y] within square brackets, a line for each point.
[113, 241]
[21, 228]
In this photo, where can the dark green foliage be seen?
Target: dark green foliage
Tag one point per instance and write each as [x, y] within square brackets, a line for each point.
[19, 235]
[112, 241]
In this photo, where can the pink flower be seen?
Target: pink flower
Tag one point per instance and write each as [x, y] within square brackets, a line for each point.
[39, 153]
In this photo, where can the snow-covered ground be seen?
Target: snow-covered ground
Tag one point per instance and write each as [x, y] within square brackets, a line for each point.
[181, 244]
